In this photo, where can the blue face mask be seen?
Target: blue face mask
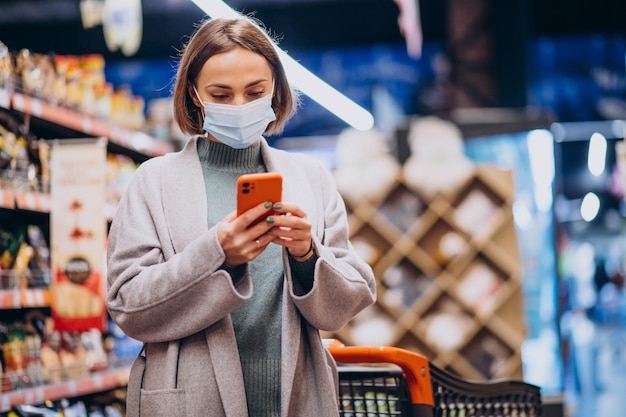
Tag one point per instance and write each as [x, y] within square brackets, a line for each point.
[238, 126]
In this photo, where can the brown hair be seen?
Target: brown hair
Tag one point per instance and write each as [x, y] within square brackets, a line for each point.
[222, 35]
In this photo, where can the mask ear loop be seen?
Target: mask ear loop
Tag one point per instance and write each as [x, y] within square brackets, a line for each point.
[200, 100]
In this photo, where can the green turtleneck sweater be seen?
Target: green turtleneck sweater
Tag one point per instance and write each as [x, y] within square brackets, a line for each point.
[257, 322]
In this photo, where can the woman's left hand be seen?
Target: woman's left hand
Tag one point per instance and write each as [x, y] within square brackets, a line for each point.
[291, 229]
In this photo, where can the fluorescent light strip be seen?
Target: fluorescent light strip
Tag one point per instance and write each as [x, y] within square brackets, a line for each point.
[303, 79]
[596, 157]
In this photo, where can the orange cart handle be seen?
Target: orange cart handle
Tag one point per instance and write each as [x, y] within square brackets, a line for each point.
[414, 366]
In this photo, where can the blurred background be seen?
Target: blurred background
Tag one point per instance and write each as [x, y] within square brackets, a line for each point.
[534, 87]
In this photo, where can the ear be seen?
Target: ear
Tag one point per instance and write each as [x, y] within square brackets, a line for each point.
[194, 96]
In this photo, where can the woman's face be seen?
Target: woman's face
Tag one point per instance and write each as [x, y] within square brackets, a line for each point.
[236, 77]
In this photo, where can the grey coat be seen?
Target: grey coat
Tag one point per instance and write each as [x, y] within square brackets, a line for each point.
[166, 288]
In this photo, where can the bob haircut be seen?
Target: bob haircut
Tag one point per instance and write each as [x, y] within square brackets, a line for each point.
[215, 36]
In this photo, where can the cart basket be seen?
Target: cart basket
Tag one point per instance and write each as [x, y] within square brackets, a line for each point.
[416, 388]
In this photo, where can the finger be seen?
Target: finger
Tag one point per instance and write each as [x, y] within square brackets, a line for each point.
[291, 228]
[250, 216]
[294, 246]
[289, 208]
[288, 221]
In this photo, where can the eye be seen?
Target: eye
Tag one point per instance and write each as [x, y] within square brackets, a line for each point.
[256, 93]
[219, 97]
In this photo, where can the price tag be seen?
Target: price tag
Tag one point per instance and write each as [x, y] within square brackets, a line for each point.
[37, 107]
[18, 102]
[40, 395]
[28, 298]
[39, 298]
[34, 396]
[87, 124]
[28, 201]
[45, 202]
[29, 397]
[98, 381]
[16, 299]
[71, 387]
[7, 199]
[5, 98]
[6, 402]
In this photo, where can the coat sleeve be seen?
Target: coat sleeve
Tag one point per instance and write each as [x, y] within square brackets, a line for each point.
[155, 293]
[343, 283]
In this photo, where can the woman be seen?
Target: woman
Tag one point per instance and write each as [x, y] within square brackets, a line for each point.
[229, 314]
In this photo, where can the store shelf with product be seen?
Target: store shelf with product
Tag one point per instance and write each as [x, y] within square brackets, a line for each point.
[94, 382]
[448, 275]
[61, 364]
[135, 143]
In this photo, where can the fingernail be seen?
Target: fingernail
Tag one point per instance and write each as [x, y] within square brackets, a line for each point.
[278, 206]
[268, 204]
[270, 220]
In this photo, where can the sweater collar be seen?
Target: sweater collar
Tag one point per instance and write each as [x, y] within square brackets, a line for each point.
[224, 158]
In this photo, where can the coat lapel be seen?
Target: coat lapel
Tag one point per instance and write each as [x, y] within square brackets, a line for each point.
[186, 209]
[185, 204]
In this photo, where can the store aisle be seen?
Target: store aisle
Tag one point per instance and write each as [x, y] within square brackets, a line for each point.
[602, 389]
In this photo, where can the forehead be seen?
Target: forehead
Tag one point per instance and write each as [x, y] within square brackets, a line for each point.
[237, 67]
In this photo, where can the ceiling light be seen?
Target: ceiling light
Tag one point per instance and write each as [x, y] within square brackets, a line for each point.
[596, 158]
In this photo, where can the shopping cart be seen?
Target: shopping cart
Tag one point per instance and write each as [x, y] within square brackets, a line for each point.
[416, 388]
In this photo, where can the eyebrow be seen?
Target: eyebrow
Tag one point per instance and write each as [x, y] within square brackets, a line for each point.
[227, 87]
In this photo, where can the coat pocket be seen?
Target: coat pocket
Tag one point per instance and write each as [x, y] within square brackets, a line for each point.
[166, 403]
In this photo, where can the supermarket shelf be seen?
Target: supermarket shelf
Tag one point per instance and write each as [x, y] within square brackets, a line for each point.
[33, 201]
[24, 298]
[127, 138]
[24, 289]
[25, 200]
[92, 383]
[7, 199]
[38, 202]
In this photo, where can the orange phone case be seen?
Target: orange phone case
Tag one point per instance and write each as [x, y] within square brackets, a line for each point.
[254, 189]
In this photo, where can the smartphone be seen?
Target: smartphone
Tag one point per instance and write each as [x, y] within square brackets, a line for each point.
[254, 189]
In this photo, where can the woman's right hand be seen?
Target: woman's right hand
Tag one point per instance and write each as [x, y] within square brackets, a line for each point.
[241, 242]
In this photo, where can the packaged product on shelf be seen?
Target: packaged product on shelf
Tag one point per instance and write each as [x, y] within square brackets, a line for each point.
[20, 354]
[446, 326]
[160, 115]
[20, 267]
[25, 69]
[17, 170]
[28, 266]
[437, 163]
[40, 262]
[136, 117]
[102, 101]
[48, 75]
[7, 258]
[120, 170]
[365, 168]
[63, 65]
[50, 359]
[6, 67]
[95, 355]
[93, 64]
[73, 93]
[450, 245]
[36, 74]
[92, 78]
